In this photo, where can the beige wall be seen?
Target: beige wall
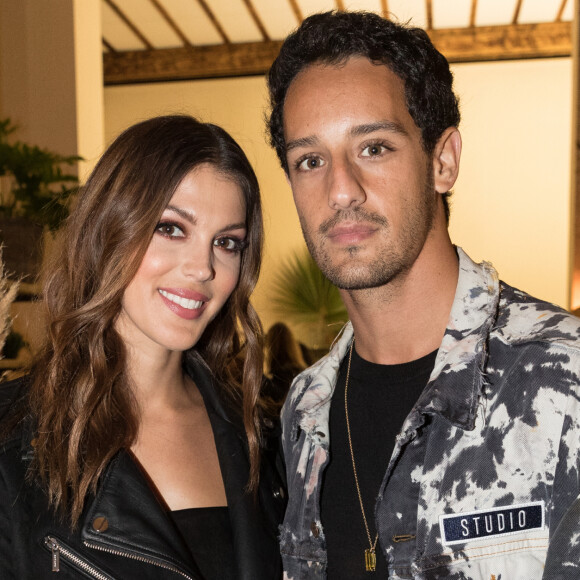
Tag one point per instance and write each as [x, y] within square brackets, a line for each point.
[511, 203]
[512, 200]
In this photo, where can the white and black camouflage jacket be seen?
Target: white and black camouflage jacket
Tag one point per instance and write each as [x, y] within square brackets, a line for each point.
[486, 465]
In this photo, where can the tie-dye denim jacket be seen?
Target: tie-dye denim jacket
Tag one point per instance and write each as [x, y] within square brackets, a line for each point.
[486, 463]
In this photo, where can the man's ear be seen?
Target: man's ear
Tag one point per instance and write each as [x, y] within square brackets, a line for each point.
[446, 159]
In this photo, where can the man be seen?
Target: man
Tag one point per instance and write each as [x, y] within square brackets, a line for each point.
[440, 436]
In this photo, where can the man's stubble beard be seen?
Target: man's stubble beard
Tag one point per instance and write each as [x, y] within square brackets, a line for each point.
[391, 261]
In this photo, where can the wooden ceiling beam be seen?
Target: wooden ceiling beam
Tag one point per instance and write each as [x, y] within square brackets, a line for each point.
[257, 20]
[129, 24]
[517, 11]
[429, 14]
[196, 62]
[561, 10]
[473, 13]
[385, 8]
[297, 11]
[107, 45]
[205, 7]
[167, 17]
[513, 42]
[484, 43]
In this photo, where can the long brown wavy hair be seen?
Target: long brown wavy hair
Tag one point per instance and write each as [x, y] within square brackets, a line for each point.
[80, 397]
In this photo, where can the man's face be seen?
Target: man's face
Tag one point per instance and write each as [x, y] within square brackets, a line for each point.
[362, 183]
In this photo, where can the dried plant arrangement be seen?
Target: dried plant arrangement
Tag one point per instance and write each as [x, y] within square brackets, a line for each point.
[8, 292]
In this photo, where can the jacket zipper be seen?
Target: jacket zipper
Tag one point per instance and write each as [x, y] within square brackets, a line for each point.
[144, 559]
[59, 550]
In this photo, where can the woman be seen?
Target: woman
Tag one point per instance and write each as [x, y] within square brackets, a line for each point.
[131, 451]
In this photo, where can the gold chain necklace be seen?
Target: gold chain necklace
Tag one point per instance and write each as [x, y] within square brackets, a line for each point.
[370, 553]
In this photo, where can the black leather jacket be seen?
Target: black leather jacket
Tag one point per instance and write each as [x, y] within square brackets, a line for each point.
[124, 532]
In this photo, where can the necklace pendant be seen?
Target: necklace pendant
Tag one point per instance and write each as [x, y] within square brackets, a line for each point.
[370, 560]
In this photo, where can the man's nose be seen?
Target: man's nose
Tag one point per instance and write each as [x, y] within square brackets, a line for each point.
[345, 188]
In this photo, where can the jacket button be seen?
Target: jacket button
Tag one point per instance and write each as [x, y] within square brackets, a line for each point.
[315, 529]
[279, 493]
[100, 524]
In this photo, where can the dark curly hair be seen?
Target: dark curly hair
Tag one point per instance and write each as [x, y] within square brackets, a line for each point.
[333, 37]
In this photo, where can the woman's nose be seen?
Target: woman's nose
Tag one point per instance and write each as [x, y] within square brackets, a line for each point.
[198, 262]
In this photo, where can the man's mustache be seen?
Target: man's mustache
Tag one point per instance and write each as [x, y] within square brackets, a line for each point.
[352, 215]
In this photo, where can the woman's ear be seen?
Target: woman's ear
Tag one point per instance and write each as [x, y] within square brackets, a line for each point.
[446, 159]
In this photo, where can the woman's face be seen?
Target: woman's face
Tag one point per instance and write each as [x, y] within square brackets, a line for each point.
[191, 266]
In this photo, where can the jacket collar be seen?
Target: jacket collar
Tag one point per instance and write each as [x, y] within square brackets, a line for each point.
[127, 517]
[458, 375]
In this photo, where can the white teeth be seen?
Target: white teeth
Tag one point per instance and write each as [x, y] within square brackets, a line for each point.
[183, 302]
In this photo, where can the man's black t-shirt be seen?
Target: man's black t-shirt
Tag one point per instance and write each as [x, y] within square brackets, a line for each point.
[379, 399]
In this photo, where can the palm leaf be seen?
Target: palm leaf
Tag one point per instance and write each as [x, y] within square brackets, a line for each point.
[303, 296]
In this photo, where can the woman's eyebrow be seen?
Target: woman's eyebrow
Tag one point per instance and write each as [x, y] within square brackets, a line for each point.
[186, 215]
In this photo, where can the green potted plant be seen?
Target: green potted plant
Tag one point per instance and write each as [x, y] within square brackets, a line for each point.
[305, 298]
[34, 196]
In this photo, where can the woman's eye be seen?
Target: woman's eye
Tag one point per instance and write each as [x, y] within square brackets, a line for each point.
[309, 163]
[170, 230]
[373, 150]
[229, 244]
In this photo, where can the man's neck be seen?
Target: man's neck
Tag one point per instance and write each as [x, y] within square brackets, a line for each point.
[406, 318]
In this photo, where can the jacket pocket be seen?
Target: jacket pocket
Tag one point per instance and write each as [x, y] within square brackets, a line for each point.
[513, 558]
[61, 553]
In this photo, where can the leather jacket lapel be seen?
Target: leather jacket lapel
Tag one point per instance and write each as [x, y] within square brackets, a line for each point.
[127, 518]
[255, 541]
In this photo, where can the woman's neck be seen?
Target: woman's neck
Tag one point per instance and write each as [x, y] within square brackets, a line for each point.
[158, 382]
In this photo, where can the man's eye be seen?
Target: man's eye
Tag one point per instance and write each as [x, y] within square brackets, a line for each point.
[373, 150]
[309, 163]
[170, 230]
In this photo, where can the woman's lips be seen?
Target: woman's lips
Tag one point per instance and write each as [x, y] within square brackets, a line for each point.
[185, 303]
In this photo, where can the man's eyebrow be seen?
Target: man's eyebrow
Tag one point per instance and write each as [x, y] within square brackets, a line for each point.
[302, 142]
[358, 131]
[368, 128]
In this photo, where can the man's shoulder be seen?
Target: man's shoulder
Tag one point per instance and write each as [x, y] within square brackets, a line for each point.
[522, 318]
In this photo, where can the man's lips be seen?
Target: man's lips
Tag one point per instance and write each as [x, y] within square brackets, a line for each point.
[349, 234]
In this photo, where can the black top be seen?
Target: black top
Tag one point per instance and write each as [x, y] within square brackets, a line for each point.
[379, 399]
[207, 533]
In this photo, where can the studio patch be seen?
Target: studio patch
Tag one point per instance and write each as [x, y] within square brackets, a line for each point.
[494, 522]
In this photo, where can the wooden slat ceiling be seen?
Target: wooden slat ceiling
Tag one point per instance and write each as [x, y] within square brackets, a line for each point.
[162, 40]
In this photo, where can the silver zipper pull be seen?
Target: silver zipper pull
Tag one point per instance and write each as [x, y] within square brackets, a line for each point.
[55, 555]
